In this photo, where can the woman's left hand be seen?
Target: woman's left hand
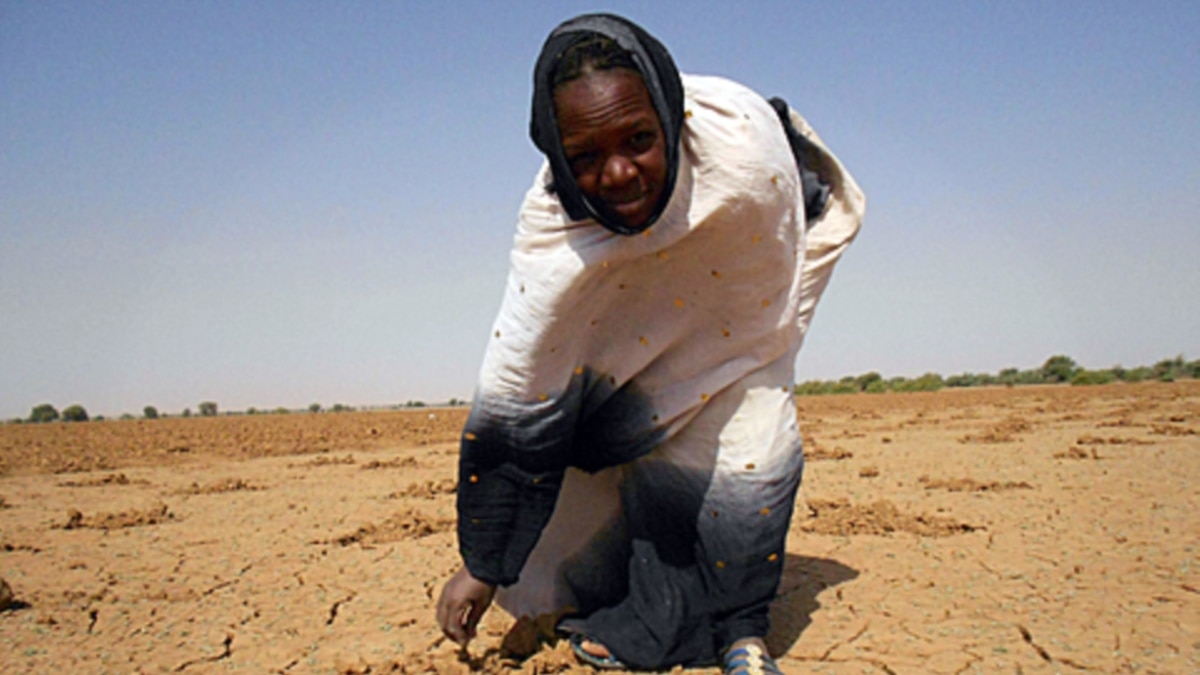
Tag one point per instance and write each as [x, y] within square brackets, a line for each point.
[462, 604]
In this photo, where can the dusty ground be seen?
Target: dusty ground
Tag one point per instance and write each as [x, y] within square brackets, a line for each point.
[1043, 529]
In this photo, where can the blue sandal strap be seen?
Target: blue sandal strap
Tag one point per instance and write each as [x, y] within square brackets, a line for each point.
[750, 660]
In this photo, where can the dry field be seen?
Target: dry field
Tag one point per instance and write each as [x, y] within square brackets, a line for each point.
[1026, 530]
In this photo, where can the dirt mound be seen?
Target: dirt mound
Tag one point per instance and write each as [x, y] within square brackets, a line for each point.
[397, 463]
[427, 490]
[324, 460]
[1003, 432]
[407, 524]
[1088, 439]
[221, 486]
[1076, 452]
[972, 485]
[110, 479]
[840, 517]
[119, 520]
[816, 453]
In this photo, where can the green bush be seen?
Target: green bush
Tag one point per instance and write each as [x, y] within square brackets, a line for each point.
[43, 413]
[876, 387]
[150, 412]
[74, 413]
[1059, 368]
[1087, 377]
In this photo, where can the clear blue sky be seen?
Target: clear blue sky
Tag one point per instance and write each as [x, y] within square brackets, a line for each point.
[268, 203]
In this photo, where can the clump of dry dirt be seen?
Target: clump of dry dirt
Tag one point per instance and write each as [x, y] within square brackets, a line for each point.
[868, 472]
[406, 524]
[427, 490]
[83, 465]
[1003, 432]
[325, 460]
[816, 453]
[1076, 452]
[551, 659]
[971, 485]
[840, 517]
[122, 519]
[1088, 439]
[226, 485]
[1171, 430]
[397, 463]
[109, 479]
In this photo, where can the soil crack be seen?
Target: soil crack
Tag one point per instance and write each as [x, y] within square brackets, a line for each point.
[225, 653]
[333, 610]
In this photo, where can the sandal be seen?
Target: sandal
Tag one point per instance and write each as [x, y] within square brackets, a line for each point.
[750, 660]
[599, 662]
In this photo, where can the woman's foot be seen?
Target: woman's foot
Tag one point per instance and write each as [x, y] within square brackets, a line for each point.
[749, 656]
[593, 653]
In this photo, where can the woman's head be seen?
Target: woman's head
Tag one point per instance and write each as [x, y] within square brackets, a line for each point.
[609, 130]
[608, 112]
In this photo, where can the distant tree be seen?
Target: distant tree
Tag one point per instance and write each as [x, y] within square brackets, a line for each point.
[453, 402]
[251, 410]
[208, 409]
[876, 387]
[74, 413]
[1168, 370]
[282, 411]
[43, 413]
[187, 412]
[341, 407]
[150, 412]
[867, 379]
[314, 408]
[1059, 368]
[963, 380]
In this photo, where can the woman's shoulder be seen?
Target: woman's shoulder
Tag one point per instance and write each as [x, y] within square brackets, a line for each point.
[733, 126]
[713, 86]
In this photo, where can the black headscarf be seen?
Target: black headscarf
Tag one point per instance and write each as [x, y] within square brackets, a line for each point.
[666, 93]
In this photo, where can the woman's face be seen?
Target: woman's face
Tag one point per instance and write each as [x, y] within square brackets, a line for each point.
[613, 141]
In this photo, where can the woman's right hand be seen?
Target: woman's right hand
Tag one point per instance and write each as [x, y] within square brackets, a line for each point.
[462, 604]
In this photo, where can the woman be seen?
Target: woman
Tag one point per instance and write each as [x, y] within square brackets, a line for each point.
[632, 455]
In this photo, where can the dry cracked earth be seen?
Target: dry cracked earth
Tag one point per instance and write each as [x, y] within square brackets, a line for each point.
[1026, 530]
